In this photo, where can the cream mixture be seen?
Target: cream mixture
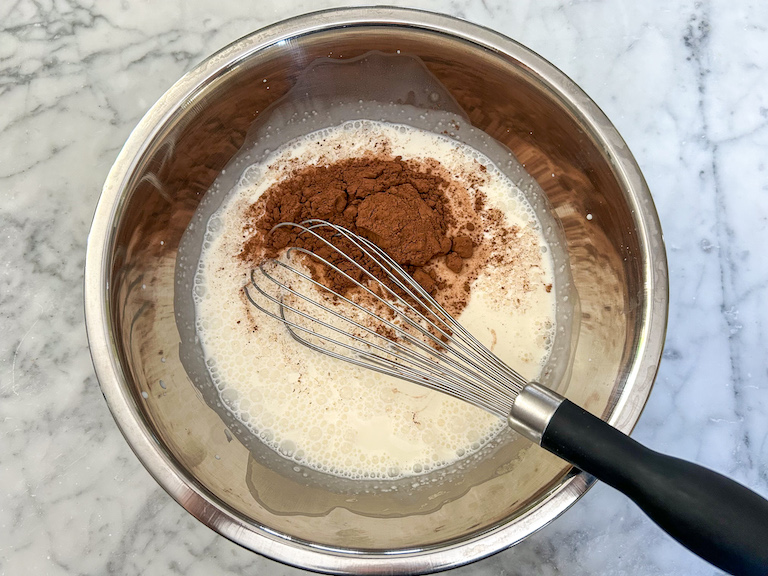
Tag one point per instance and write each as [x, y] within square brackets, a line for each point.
[339, 418]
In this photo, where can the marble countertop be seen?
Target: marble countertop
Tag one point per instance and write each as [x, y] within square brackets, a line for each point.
[686, 86]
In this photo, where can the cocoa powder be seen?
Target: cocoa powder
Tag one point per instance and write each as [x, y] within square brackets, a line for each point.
[399, 205]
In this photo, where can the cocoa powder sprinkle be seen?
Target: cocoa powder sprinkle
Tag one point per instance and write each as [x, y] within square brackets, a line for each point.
[399, 205]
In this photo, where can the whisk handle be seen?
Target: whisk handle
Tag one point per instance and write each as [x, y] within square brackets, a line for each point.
[713, 516]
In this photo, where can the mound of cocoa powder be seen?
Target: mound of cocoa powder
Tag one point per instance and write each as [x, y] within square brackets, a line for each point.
[399, 205]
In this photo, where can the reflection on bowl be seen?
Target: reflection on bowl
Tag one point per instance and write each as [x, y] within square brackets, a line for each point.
[592, 183]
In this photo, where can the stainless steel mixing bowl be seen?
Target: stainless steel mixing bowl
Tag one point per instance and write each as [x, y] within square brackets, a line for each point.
[593, 184]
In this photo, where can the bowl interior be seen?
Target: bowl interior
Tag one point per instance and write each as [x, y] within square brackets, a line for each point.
[502, 95]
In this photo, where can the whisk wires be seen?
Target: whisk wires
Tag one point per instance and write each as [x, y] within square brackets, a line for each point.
[387, 323]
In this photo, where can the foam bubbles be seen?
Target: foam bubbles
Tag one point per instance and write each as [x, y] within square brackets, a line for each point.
[336, 417]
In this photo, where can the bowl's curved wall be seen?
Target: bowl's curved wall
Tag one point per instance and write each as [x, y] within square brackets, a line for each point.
[170, 160]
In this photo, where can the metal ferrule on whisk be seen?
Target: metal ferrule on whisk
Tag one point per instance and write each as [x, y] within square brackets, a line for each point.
[532, 411]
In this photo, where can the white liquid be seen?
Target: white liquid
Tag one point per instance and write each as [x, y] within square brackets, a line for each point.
[336, 417]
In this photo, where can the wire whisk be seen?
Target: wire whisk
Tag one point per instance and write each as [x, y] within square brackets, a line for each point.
[350, 300]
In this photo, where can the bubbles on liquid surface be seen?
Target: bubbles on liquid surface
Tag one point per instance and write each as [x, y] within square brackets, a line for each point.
[325, 415]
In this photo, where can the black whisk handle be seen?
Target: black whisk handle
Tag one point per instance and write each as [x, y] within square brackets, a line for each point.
[713, 516]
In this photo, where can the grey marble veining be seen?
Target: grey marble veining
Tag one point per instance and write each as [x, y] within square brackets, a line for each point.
[686, 83]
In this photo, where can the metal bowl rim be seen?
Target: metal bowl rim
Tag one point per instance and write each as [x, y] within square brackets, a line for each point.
[195, 498]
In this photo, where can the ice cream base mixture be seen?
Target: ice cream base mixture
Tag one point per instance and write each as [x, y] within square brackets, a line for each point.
[447, 214]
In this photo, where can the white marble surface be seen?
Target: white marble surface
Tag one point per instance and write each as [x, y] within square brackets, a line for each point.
[687, 85]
